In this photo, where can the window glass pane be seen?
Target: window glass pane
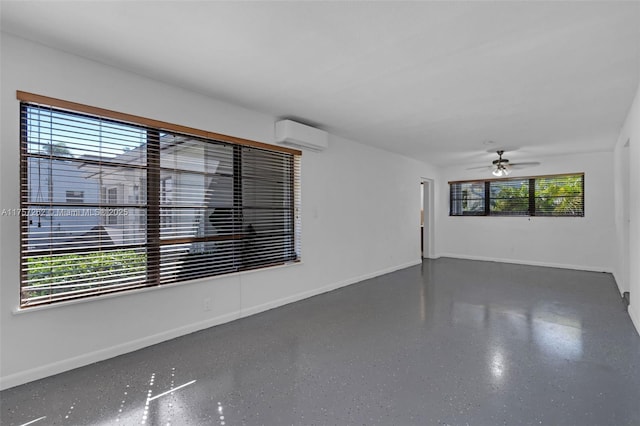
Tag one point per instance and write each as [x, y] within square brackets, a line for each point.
[196, 207]
[196, 189]
[80, 237]
[560, 196]
[509, 197]
[267, 207]
[61, 134]
[467, 198]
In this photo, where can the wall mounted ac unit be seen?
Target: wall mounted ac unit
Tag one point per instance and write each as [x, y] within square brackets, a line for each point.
[298, 135]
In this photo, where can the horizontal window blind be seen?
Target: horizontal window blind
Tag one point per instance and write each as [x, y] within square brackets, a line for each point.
[556, 195]
[509, 197]
[560, 196]
[108, 205]
[467, 198]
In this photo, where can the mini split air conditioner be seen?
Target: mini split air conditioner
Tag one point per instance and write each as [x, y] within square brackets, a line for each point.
[298, 135]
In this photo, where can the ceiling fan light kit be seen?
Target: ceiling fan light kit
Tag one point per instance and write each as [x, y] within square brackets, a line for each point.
[501, 170]
[501, 165]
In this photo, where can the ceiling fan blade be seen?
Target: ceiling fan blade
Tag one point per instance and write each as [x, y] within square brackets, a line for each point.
[480, 168]
[526, 163]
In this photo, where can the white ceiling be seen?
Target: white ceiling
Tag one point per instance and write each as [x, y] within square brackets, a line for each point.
[430, 80]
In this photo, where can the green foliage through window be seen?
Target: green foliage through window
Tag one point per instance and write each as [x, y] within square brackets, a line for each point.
[509, 197]
[49, 275]
[560, 196]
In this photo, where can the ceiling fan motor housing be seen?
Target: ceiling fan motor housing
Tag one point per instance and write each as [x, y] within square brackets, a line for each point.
[500, 160]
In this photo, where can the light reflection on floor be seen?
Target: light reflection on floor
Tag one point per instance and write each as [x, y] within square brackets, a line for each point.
[553, 334]
[161, 408]
[34, 421]
[559, 336]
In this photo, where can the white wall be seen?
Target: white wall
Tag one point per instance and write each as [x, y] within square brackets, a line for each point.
[571, 242]
[622, 195]
[360, 207]
[627, 212]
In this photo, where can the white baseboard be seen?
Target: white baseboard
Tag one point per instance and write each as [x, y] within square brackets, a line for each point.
[529, 262]
[113, 351]
[121, 349]
[635, 317]
[620, 283]
[252, 310]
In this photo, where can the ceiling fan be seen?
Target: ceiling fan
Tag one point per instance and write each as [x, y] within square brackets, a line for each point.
[502, 167]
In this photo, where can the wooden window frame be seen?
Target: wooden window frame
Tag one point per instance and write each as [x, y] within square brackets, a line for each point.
[146, 122]
[152, 170]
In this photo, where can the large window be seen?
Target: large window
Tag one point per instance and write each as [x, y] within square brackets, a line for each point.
[557, 195]
[157, 205]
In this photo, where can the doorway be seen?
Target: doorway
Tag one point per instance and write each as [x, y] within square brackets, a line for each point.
[426, 218]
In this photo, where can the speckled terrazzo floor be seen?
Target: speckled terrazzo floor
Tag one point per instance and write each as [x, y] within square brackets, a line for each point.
[451, 342]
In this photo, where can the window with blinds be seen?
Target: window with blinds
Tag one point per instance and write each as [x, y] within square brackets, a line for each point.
[509, 197]
[556, 195]
[559, 195]
[110, 205]
[467, 199]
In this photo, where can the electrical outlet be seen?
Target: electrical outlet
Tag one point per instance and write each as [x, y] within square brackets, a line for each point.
[206, 303]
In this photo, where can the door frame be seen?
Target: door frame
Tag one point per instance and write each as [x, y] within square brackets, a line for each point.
[428, 197]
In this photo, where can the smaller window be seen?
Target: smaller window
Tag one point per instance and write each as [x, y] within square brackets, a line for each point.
[75, 197]
[112, 199]
[557, 195]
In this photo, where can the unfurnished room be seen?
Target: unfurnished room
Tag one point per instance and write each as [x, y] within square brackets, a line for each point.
[320, 213]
